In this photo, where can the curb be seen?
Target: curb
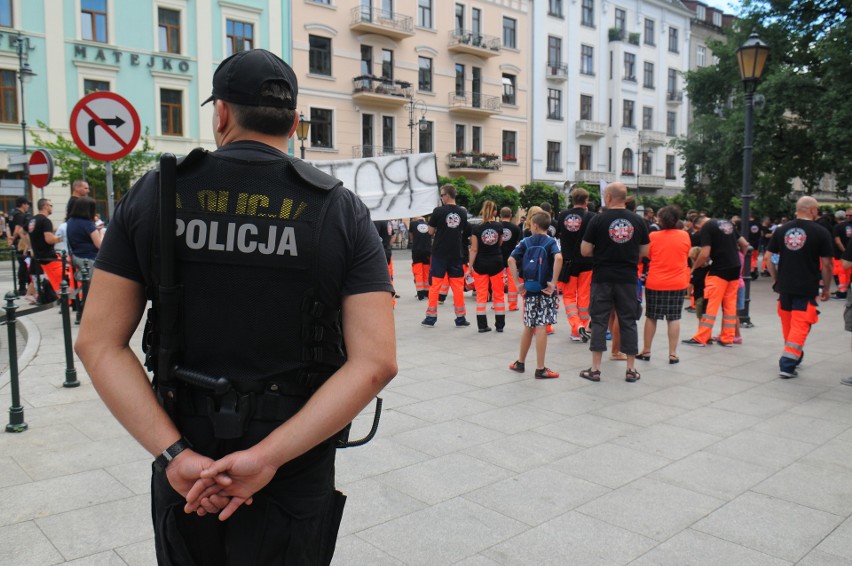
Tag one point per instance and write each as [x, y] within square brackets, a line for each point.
[32, 336]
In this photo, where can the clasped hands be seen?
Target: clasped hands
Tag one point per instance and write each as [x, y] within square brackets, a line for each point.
[218, 486]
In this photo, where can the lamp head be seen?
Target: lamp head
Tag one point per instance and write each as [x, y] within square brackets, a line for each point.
[303, 127]
[752, 56]
[424, 125]
[26, 73]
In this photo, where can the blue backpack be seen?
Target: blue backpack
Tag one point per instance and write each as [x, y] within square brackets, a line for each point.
[535, 265]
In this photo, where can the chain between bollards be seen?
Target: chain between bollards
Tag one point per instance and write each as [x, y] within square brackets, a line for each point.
[16, 411]
[70, 372]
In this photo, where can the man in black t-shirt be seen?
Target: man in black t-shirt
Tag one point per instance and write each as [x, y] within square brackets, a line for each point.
[79, 189]
[721, 244]
[42, 239]
[576, 276]
[421, 254]
[448, 224]
[18, 230]
[754, 235]
[842, 235]
[804, 253]
[616, 239]
[511, 237]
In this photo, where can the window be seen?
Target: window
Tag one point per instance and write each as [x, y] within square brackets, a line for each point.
[648, 75]
[460, 137]
[6, 13]
[554, 51]
[424, 74]
[717, 19]
[388, 131]
[671, 89]
[649, 32]
[508, 89]
[554, 104]
[8, 97]
[459, 17]
[93, 15]
[510, 32]
[588, 13]
[627, 115]
[587, 60]
[647, 118]
[670, 167]
[554, 8]
[367, 60]
[476, 21]
[554, 159]
[424, 13]
[367, 135]
[476, 139]
[701, 56]
[319, 56]
[585, 158]
[701, 11]
[476, 86]
[169, 30]
[90, 86]
[321, 120]
[673, 40]
[171, 112]
[585, 107]
[620, 19]
[647, 163]
[510, 147]
[630, 67]
[239, 36]
[671, 123]
[459, 79]
[627, 161]
[387, 64]
[425, 138]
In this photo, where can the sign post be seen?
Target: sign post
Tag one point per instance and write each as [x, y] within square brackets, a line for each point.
[106, 127]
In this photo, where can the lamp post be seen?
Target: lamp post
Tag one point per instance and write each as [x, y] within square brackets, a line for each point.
[752, 56]
[302, 130]
[414, 106]
[25, 74]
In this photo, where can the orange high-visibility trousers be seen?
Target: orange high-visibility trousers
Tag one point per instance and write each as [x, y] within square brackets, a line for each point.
[718, 292]
[481, 282]
[512, 297]
[843, 276]
[457, 285]
[797, 315]
[576, 294]
[421, 276]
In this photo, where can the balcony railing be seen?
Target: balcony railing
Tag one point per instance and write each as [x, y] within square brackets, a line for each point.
[652, 137]
[617, 34]
[591, 176]
[475, 102]
[467, 41]
[383, 22]
[359, 151]
[674, 96]
[557, 71]
[651, 181]
[484, 162]
[377, 85]
[590, 128]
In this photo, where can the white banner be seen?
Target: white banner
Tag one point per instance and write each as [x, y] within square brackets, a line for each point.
[394, 186]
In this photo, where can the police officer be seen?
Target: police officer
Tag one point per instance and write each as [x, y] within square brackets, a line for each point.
[285, 294]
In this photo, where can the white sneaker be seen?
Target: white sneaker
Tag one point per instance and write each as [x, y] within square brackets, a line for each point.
[575, 338]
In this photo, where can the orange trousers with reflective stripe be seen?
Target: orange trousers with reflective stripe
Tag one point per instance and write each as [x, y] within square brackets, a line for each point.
[513, 290]
[797, 315]
[576, 294]
[843, 276]
[438, 287]
[718, 293]
[481, 283]
[421, 276]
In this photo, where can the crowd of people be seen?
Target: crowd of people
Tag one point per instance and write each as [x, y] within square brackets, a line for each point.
[609, 264]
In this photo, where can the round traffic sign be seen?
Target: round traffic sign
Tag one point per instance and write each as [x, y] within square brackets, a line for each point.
[105, 126]
[41, 168]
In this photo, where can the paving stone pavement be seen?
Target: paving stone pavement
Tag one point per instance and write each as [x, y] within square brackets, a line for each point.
[711, 461]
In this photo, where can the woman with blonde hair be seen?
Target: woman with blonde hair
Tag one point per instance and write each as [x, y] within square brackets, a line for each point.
[530, 213]
[486, 264]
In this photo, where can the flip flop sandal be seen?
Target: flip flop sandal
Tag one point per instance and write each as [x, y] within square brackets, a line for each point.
[673, 359]
[632, 376]
[591, 374]
[644, 356]
[618, 357]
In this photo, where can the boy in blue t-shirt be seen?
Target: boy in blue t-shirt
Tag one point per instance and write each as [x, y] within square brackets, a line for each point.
[540, 307]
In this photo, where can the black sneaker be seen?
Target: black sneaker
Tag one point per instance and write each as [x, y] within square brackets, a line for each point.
[788, 374]
[461, 322]
[838, 296]
[584, 333]
[429, 321]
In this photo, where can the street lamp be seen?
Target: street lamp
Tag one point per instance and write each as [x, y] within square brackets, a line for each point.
[25, 74]
[302, 129]
[414, 106]
[752, 56]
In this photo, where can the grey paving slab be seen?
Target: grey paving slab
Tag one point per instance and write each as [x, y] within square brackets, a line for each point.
[801, 428]
[23, 544]
[523, 451]
[762, 449]
[693, 547]
[751, 403]
[839, 542]
[371, 502]
[640, 412]
[506, 394]
[445, 408]
[41, 438]
[138, 554]
[819, 558]
[720, 384]
[11, 473]
[52, 463]
[386, 454]
[824, 408]
[668, 441]
[135, 476]
[769, 525]
[353, 550]
[684, 396]
[587, 430]
[835, 454]
[714, 421]
[609, 465]
[444, 438]
[476, 561]
[570, 403]
[514, 418]
[811, 486]
[108, 558]
[714, 475]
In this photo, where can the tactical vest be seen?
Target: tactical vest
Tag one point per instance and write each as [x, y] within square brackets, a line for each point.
[247, 255]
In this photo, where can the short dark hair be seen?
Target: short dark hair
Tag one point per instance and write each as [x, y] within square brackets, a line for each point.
[541, 219]
[505, 212]
[41, 202]
[269, 120]
[668, 216]
[579, 195]
[449, 190]
[545, 206]
[83, 207]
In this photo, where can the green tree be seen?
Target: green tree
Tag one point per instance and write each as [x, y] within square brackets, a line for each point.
[464, 194]
[537, 192]
[501, 197]
[69, 162]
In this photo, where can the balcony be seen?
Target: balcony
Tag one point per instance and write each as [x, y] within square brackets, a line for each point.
[378, 91]
[381, 22]
[674, 97]
[471, 163]
[587, 128]
[651, 137]
[618, 34]
[474, 104]
[473, 43]
[651, 181]
[360, 151]
[593, 177]
[557, 72]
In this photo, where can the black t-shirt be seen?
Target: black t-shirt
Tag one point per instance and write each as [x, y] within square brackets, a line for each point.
[18, 219]
[511, 237]
[571, 226]
[382, 227]
[617, 235]
[421, 241]
[38, 225]
[843, 231]
[451, 230]
[69, 206]
[847, 255]
[800, 244]
[489, 255]
[754, 233]
[722, 238]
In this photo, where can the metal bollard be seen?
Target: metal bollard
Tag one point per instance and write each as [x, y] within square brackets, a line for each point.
[70, 371]
[12, 256]
[16, 411]
[85, 277]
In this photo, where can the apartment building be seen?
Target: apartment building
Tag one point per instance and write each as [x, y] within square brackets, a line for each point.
[608, 92]
[384, 77]
[708, 24]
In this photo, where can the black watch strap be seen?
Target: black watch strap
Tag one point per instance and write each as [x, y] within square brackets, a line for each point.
[170, 453]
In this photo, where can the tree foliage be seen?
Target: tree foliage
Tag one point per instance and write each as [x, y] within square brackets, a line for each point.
[537, 192]
[500, 195]
[464, 194]
[801, 131]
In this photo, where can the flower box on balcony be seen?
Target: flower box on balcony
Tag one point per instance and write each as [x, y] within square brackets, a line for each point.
[627, 174]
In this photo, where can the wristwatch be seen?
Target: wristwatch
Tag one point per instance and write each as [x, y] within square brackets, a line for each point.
[169, 454]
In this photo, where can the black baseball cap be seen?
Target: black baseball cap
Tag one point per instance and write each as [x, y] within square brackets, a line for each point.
[240, 77]
[21, 201]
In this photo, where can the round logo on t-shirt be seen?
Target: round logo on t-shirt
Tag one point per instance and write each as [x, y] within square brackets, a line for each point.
[849, 231]
[31, 225]
[422, 228]
[490, 236]
[620, 231]
[794, 239]
[551, 231]
[726, 227]
[755, 229]
[507, 234]
[572, 222]
[453, 220]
